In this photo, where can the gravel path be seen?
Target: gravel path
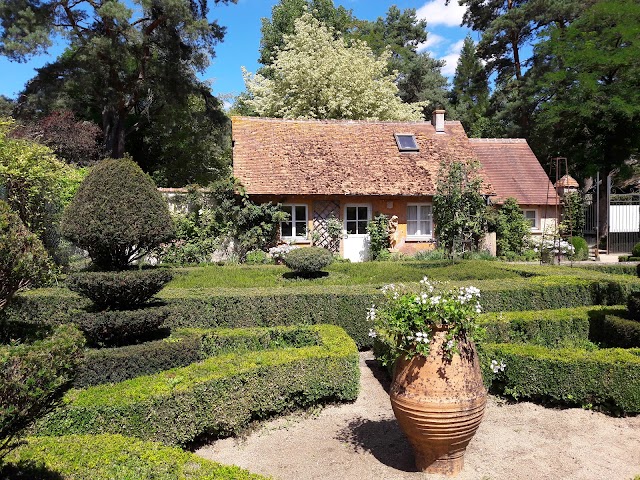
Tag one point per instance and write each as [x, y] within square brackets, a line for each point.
[362, 441]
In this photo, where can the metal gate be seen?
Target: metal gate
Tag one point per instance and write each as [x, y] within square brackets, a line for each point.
[624, 222]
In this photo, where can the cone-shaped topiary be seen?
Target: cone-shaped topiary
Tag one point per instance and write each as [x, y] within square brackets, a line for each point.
[117, 215]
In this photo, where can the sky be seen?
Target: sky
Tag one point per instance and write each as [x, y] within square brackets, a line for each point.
[242, 40]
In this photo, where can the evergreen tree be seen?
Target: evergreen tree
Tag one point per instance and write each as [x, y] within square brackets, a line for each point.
[470, 93]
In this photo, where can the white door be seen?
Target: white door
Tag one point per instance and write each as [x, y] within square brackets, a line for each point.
[356, 240]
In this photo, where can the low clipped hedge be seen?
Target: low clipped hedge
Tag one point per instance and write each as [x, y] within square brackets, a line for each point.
[345, 306]
[615, 331]
[122, 290]
[215, 397]
[108, 457]
[608, 379]
[182, 348]
[120, 327]
[612, 268]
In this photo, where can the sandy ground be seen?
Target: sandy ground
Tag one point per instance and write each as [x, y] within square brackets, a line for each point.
[362, 441]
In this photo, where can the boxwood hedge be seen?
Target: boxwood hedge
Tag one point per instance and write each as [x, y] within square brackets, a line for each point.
[341, 305]
[607, 378]
[182, 348]
[215, 397]
[108, 457]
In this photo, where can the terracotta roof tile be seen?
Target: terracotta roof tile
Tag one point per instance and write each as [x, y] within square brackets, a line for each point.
[514, 171]
[307, 157]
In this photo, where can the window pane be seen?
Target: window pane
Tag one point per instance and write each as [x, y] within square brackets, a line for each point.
[351, 213]
[351, 227]
[362, 226]
[301, 213]
[363, 213]
[301, 229]
[425, 212]
[424, 228]
[406, 142]
[287, 208]
[412, 227]
[285, 229]
[412, 213]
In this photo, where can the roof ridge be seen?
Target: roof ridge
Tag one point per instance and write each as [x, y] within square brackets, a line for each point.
[333, 120]
[498, 140]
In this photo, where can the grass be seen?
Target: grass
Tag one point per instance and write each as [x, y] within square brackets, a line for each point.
[369, 273]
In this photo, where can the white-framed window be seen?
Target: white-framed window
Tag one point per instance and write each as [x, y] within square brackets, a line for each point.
[356, 219]
[532, 217]
[419, 220]
[296, 226]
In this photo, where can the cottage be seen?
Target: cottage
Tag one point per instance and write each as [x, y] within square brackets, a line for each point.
[350, 171]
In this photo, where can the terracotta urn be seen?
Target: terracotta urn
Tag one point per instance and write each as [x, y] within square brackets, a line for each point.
[439, 404]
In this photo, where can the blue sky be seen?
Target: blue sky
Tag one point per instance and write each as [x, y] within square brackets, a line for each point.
[241, 43]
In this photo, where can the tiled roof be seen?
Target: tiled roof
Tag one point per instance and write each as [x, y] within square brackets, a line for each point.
[514, 171]
[318, 157]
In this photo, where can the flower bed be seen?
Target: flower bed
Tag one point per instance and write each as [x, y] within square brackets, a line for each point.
[108, 457]
[215, 397]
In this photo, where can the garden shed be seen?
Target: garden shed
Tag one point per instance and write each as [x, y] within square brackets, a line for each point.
[337, 172]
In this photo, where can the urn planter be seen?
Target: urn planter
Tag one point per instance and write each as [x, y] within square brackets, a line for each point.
[439, 404]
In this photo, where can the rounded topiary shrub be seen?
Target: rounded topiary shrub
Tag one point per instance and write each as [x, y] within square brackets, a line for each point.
[636, 250]
[580, 248]
[633, 304]
[308, 260]
[122, 290]
[117, 215]
[123, 327]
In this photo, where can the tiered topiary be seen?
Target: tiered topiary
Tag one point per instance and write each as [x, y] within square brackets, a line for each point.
[123, 315]
[117, 215]
[580, 248]
[308, 261]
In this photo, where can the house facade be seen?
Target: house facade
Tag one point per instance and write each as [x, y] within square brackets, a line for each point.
[333, 177]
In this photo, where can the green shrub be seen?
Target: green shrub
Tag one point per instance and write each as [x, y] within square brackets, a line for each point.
[120, 327]
[256, 257]
[512, 229]
[613, 268]
[217, 396]
[119, 290]
[117, 215]
[379, 244]
[23, 259]
[608, 379]
[581, 248]
[308, 260]
[109, 457]
[33, 378]
[633, 305]
[635, 252]
[182, 348]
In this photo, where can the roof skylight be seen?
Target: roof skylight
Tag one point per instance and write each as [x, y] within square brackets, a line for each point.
[406, 142]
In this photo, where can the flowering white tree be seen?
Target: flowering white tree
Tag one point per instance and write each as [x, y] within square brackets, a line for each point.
[318, 76]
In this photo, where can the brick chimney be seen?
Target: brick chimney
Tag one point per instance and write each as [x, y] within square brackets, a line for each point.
[438, 120]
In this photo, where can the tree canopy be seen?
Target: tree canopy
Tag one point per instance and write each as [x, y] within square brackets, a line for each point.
[315, 75]
[124, 59]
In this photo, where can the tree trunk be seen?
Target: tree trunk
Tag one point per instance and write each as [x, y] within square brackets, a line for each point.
[603, 211]
[113, 129]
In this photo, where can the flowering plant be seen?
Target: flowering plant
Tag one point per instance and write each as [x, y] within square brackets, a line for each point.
[407, 320]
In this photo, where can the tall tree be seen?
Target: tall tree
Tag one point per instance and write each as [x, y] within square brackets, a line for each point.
[507, 27]
[317, 76]
[419, 76]
[470, 93]
[286, 12]
[589, 95]
[122, 56]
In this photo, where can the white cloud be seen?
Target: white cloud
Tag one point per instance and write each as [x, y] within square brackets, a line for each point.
[451, 60]
[432, 40]
[436, 12]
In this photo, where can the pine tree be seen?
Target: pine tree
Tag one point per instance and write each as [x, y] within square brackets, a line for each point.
[470, 94]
